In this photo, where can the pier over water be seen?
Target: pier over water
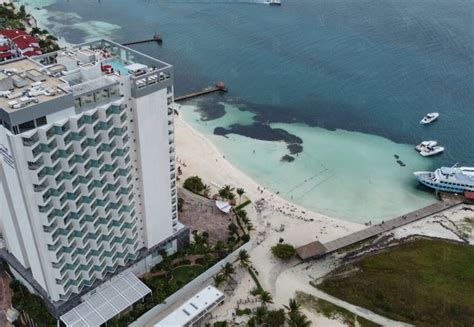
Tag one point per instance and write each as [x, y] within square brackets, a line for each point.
[317, 249]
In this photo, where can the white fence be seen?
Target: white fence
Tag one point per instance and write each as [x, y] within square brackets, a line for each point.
[147, 317]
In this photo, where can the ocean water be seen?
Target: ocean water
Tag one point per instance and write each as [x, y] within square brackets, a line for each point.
[343, 83]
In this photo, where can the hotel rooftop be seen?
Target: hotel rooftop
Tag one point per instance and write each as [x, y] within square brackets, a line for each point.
[83, 75]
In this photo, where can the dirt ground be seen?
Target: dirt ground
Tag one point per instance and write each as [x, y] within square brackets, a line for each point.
[201, 214]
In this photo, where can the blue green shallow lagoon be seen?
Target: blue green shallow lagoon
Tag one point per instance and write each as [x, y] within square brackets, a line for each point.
[349, 175]
[349, 79]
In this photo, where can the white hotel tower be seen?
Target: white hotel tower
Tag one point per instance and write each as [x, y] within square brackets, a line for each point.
[87, 167]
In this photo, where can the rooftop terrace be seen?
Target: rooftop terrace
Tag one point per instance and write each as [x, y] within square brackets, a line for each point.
[26, 82]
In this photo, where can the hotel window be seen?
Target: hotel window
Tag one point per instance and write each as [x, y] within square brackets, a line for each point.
[41, 121]
[77, 103]
[27, 126]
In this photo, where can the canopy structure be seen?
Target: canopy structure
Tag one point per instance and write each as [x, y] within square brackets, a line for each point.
[193, 309]
[223, 206]
[135, 67]
[109, 299]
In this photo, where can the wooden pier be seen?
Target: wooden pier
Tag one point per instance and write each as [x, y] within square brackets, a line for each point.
[317, 249]
[156, 38]
[219, 87]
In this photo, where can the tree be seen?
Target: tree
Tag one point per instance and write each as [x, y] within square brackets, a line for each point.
[233, 229]
[244, 258]
[194, 184]
[283, 251]
[240, 191]
[265, 297]
[260, 314]
[226, 192]
[219, 248]
[275, 318]
[293, 306]
[218, 279]
[227, 270]
[297, 319]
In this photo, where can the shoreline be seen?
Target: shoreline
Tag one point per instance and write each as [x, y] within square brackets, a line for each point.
[237, 177]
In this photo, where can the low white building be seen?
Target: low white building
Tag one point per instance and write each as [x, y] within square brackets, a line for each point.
[194, 309]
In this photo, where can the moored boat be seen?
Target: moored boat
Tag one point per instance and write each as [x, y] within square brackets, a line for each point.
[425, 144]
[429, 118]
[448, 179]
[274, 2]
[431, 151]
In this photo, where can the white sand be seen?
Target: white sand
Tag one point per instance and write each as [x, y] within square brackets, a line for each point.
[198, 156]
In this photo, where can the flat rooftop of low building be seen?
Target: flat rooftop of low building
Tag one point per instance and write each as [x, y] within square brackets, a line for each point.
[26, 83]
[194, 308]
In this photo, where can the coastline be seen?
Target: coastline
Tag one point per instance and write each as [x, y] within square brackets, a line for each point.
[202, 158]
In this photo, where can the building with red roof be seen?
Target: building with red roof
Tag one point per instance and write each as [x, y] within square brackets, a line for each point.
[18, 43]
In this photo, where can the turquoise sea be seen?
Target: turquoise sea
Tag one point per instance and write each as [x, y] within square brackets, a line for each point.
[338, 85]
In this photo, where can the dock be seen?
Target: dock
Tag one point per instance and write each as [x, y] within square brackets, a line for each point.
[317, 249]
[219, 87]
[156, 38]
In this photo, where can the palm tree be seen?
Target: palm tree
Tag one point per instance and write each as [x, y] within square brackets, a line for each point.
[250, 227]
[244, 258]
[293, 306]
[240, 191]
[260, 313]
[227, 270]
[265, 297]
[298, 319]
[218, 279]
[226, 192]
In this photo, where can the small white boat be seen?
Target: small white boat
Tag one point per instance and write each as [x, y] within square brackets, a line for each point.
[429, 118]
[425, 144]
[274, 2]
[431, 151]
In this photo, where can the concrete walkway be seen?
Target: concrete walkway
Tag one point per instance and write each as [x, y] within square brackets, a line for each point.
[317, 249]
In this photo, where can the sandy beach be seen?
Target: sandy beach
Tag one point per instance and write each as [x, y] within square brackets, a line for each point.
[275, 218]
[198, 156]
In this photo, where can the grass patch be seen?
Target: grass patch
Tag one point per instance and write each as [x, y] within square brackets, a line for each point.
[184, 274]
[332, 311]
[423, 282]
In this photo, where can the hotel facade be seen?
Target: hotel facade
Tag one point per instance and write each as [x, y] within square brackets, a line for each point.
[87, 168]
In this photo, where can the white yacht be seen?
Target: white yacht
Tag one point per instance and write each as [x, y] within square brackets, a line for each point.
[431, 151]
[274, 2]
[454, 179]
[429, 118]
[425, 144]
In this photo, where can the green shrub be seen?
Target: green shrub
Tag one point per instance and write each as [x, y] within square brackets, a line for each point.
[241, 312]
[283, 251]
[194, 184]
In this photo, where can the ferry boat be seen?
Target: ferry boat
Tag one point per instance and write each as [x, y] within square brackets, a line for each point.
[429, 118]
[448, 179]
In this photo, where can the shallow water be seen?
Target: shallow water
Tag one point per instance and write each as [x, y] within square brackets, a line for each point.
[351, 79]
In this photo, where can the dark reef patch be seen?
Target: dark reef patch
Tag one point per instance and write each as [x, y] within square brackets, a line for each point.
[264, 132]
[295, 148]
[210, 110]
[287, 158]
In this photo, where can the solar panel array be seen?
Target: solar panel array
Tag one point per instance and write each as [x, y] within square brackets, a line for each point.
[110, 299]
